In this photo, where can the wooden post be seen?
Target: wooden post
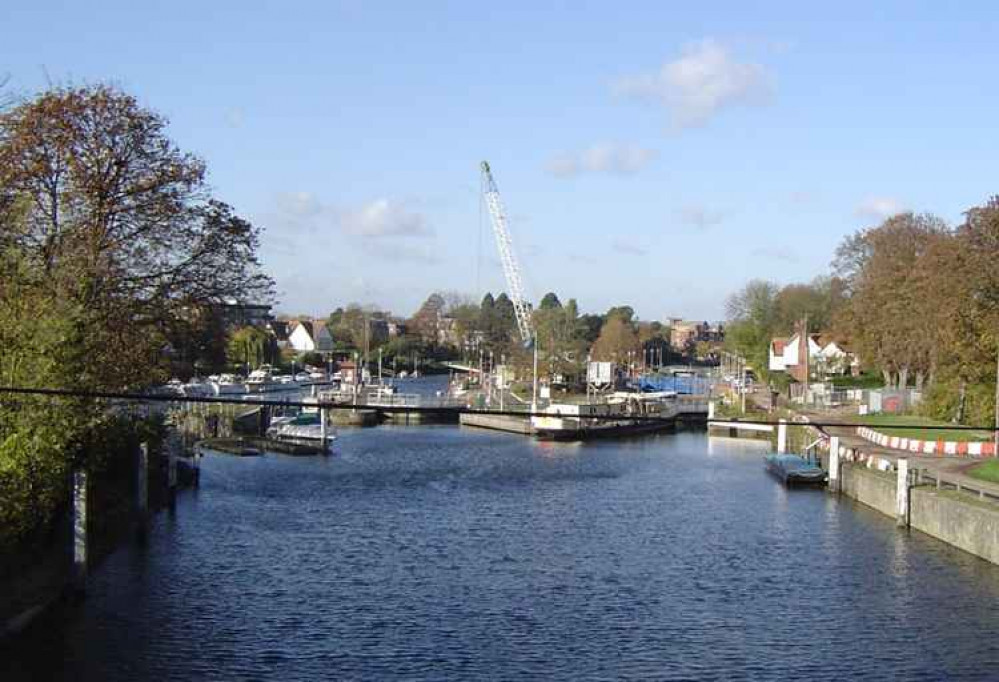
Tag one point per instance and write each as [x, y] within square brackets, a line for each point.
[902, 494]
[142, 488]
[172, 471]
[322, 429]
[834, 464]
[79, 576]
[782, 436]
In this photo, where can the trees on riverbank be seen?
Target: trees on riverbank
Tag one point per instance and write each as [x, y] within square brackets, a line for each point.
[916, 298]
[110, 241]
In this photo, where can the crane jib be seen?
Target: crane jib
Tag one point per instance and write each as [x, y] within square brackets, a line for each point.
[504, 243]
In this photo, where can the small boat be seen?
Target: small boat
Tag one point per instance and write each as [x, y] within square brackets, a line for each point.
[303, 428]
[794, 470]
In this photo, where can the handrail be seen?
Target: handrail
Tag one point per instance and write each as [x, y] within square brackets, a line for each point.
[942, 482]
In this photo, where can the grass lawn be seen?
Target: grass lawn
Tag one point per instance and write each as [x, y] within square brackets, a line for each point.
[986, 471]
[901, 425]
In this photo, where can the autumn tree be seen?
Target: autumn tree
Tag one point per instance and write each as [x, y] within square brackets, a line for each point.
[616, 341]
[120, 222]
[111, 249]
[885, 315]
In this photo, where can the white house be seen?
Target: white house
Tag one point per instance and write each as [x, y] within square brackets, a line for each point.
[824, 355]
[308, 336]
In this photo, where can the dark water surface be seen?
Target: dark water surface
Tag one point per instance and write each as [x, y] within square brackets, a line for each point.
[443, 553]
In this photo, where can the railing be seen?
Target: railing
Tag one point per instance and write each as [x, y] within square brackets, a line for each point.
[922, 476]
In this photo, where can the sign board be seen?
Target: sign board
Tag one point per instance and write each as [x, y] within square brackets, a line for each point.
[600, 373]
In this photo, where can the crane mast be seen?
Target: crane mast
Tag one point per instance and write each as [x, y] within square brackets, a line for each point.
[505, 246]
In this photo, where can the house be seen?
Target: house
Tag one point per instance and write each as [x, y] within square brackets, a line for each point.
[309, 336]
[826, 356]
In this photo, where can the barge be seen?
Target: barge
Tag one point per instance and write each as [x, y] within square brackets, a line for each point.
[621, 414]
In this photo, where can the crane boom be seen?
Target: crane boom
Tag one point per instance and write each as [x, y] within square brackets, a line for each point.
[505, 246]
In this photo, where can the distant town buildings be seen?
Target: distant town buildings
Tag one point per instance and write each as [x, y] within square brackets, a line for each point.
[684, 334]
[242, 314]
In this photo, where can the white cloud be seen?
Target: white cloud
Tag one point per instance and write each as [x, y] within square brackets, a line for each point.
[607, 157]
[628, 248]
[704, 80]
[700, 217]
[384, 218]
[879, 208]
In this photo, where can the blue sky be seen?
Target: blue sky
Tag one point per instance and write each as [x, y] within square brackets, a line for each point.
[657, 154]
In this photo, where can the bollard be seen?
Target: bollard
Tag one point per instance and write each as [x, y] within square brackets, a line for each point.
[782, 436]
[902, 494]
[711, 409]
[79, 577]
[834, 464]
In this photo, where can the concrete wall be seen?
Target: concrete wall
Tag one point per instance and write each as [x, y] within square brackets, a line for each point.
[498, 422]
[966, 525]
[872, 488]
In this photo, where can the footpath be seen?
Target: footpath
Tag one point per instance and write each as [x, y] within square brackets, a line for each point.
[953, 468]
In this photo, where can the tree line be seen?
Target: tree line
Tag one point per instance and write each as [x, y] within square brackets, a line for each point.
[916, 298]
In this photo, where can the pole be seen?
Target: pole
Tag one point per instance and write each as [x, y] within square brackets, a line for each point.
[995, 437]
[142, 488]
[534, 399]
[502, 383]
[322, 429]
[902, 493]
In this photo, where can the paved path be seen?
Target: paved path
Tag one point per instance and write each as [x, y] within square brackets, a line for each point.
[951, 468]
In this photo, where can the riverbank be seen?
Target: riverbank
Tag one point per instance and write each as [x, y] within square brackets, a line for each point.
[868, 473]
[39, 576]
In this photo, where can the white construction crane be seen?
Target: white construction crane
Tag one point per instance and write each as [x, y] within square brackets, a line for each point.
[505, 245]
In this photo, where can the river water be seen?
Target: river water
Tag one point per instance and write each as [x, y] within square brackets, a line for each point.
[449, 553]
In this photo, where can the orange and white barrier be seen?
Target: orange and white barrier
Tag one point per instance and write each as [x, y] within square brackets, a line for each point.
[928, 447]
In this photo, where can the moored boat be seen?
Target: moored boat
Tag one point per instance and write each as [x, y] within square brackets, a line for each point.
[794, 470]
[622, 414]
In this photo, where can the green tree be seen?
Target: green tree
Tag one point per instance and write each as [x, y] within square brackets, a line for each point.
[550, 301]
[250, 347]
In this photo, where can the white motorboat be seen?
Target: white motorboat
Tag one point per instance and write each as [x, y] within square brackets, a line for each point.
[228, 384]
